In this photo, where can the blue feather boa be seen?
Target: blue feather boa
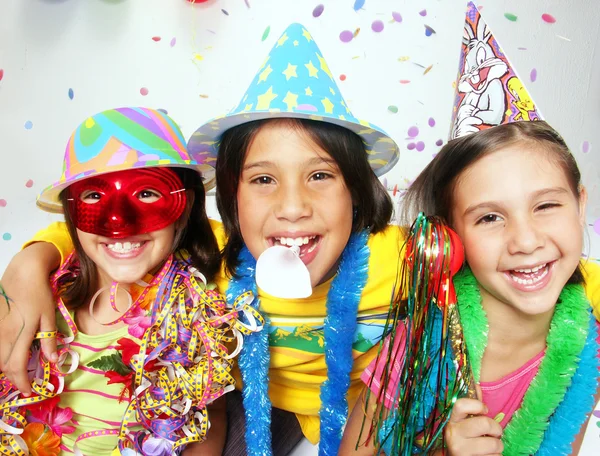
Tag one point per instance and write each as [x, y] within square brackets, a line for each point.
[578, 402]
[254, 364]
[340, 327]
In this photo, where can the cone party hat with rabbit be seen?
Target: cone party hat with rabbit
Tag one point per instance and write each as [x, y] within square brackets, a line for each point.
[488, 90]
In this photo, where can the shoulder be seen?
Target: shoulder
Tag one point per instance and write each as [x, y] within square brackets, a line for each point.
[392, 235]
[219, 232]
[591, 272]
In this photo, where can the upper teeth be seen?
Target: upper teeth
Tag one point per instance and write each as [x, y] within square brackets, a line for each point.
[537, 268]
[294, 241]
[124, 247]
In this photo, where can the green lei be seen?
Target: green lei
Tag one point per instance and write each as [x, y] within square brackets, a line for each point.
[524, 433]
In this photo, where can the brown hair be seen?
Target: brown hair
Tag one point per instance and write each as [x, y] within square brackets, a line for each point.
[372, 203]
[433, 189]
[195, 237]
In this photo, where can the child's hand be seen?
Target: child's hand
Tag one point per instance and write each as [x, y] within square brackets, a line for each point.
[32, 309]
[470, 432]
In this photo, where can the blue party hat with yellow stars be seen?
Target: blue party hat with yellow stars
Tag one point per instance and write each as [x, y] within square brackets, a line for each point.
[295, 81]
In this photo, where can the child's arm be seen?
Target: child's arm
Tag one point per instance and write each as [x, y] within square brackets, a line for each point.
[362, 411]
[215, 439]
[25, 282]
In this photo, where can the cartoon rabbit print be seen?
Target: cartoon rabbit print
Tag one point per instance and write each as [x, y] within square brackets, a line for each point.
[484, 100]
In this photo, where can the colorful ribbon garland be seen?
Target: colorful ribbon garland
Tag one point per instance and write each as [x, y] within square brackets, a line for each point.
[186, 342]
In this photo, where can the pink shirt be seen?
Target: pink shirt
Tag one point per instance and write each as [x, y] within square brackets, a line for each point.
[502, 397]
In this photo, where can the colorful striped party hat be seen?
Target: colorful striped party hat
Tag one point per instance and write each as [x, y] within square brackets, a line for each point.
[121, 139]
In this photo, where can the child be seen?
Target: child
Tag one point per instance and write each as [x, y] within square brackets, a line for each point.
[136, 325]
[513, 194]
[292, 168]
[514, 197]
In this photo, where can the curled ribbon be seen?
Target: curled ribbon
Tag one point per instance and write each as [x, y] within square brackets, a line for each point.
[191, 330]
[184, 362]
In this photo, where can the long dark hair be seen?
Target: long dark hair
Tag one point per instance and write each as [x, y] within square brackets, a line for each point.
[433, 189]
[372, 204]
[195, 237]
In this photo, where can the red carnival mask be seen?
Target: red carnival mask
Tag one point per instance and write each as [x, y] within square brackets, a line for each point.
[127, 203]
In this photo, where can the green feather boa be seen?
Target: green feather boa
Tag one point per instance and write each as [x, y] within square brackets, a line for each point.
[565, 341]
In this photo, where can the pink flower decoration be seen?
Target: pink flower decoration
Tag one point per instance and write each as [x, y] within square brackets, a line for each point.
[49, 413]
[138, 323]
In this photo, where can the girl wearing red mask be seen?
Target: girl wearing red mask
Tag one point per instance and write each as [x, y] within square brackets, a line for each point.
[143, 361]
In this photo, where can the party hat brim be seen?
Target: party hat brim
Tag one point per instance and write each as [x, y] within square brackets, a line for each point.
[382, 151]
[49, 198]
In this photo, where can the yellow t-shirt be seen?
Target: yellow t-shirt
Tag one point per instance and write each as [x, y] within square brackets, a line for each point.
[298, 367]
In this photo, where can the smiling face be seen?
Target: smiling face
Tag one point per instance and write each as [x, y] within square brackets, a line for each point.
[521, 225]
[125, 221]
[127, 260]
[291, 192]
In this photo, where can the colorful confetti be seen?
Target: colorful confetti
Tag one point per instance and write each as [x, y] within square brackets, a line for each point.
[247, 3]
[597, 226]
[29, 183]
[156, 38]
[423, 13]
[203, 95]
[225, 12]
[428, 69]
[1, 74]
[510, 17]
[318, 10]
[420, 146]
[585, 147]
[377, 26]
[413, 132]
[431, 122]
[429, 31]
[342, 77]
[404, 58]
[356, 32]
[71, 94]
[7, 236]
[411, 145]
[346, 36]
[144, 91]
[439, 142]
[358, 4]
[2, 203]
[533, 75]
[404, 81]
[173, 41]
[397, 16]
[548, 18]
[266, 33]
[393, 109]
[28, 125]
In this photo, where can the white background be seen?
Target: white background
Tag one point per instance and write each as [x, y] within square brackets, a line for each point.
[103, 50]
